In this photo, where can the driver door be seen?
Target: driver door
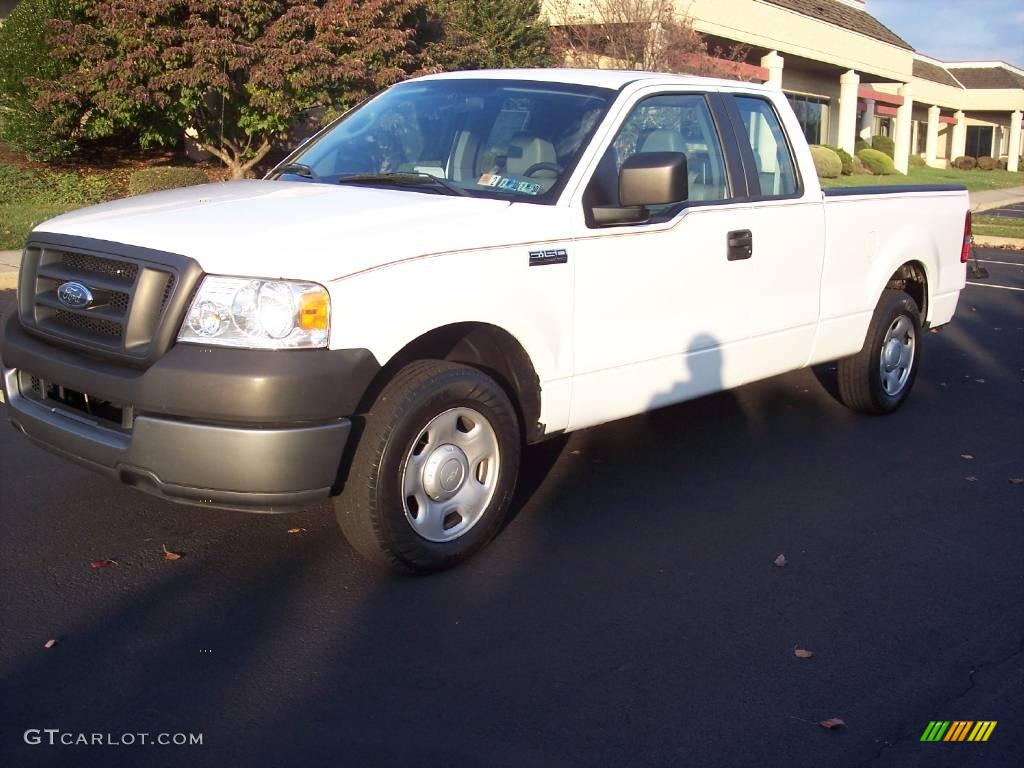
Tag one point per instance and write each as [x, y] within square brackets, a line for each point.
[666, 310]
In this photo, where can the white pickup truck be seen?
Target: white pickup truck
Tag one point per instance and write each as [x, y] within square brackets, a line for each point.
[465, 264]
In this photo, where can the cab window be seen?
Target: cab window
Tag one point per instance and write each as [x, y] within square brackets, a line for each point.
[667, 123]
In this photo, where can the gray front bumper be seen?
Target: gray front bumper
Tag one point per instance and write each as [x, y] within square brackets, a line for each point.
[253, 468]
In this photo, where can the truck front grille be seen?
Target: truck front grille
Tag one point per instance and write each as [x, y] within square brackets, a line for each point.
[130, 300]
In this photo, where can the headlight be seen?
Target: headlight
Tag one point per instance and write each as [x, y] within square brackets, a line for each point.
[265, 314]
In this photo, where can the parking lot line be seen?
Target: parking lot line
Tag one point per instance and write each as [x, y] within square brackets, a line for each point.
[986, 285]
[1007, 263]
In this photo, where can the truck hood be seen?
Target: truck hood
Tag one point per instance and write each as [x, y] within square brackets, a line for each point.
[301, 230]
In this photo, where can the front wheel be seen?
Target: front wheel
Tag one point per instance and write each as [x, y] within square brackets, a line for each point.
[879, 378]
[435, 468]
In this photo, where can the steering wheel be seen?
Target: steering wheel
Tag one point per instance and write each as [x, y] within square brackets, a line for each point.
[541, 167]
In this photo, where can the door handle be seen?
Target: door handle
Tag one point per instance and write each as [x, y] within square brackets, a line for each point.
[741, 245]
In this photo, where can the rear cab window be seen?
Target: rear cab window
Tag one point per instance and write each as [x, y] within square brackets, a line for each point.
[776, 171]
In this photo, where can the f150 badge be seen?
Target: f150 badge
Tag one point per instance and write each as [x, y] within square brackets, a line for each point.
[555, 256]
[74, 295]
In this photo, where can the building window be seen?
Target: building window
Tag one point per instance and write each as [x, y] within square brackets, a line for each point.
[883, 127]
[979, 140]
[812, 114]
[921, 146]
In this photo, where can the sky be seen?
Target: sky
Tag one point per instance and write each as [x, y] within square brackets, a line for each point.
[954, 30]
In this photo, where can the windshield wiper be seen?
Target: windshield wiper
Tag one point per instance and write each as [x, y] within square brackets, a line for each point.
[404, 178]
[298, 169]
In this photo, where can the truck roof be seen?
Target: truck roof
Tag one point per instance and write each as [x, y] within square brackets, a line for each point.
[601, 78]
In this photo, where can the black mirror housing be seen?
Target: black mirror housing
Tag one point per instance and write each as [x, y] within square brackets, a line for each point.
[654, 178]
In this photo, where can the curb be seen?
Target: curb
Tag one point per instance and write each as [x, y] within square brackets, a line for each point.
[992, 241]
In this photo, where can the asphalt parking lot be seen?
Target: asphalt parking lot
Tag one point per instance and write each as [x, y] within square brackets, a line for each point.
[630, 615]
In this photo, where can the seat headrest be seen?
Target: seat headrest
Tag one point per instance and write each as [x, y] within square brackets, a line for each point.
[663, 141]
[526, 149]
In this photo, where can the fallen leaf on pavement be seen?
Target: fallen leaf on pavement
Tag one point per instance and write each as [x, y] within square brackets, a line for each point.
[1017, 481]
[296, 530]
[832, 723]
[802, 653]
[168, 555]
[49, 643]
[971, 479]
[966, 456]
[780, 561]
[102, 563]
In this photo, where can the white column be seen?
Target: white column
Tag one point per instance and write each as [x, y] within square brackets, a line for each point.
[848, 85]
[904, 117]
[867, 121]
[774, 64]
[931, 147]
[959, 136]
[1013, 162]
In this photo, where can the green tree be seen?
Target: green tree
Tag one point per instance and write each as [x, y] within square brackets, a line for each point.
[489, 34]
[232, 73]
[26, 57]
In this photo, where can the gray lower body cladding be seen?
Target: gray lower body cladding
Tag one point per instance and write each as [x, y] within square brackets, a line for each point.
[241, 429]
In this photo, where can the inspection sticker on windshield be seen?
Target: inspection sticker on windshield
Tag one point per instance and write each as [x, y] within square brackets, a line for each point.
[511, 185]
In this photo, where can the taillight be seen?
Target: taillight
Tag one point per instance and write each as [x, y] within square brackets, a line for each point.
[965, 251]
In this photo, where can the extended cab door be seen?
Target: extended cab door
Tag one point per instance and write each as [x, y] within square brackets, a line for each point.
[716, 291]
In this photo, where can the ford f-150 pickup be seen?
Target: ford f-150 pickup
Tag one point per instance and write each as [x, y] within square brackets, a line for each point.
[463, 265]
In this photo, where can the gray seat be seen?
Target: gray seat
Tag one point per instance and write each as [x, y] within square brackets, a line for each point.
[662, 141]
[526, 150]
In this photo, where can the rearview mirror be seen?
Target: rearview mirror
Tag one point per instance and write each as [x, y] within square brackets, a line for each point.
[646, 178]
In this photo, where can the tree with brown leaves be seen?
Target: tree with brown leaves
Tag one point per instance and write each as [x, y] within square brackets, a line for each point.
[649, 35]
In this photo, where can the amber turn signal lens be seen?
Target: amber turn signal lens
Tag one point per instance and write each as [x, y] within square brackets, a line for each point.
[314, 310]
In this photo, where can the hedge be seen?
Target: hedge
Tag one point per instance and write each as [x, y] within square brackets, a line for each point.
[156, 179]
[877, 162]
[965, 163]
[884, 144]
[916, 161]
[826, 162]
[986, 163]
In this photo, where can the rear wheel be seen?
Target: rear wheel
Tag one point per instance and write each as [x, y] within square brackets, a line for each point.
[434, 472]
[879, 378]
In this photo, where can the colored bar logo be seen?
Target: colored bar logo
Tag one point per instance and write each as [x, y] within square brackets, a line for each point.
[958, 730]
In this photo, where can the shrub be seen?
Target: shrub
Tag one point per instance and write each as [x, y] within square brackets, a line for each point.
[1004, 163]
[877, 162]
[156, 179]
[916, 161]
[986, 163]
[860, 144]
[965, 163]
[845, 157]
[26, 65]
[826, 162]
[859, 169]
[884, 144]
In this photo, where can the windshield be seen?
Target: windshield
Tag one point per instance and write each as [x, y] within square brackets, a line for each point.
[504, 139]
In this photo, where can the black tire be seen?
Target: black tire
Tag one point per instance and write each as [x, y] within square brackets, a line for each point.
[372, 509]
[860, 380]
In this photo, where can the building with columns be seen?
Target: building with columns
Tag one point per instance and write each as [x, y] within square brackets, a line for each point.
[847, 75]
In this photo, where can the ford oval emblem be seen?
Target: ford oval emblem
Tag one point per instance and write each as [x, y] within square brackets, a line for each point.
[74, 295]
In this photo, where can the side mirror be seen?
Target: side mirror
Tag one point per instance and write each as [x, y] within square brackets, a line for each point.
[646, 178]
